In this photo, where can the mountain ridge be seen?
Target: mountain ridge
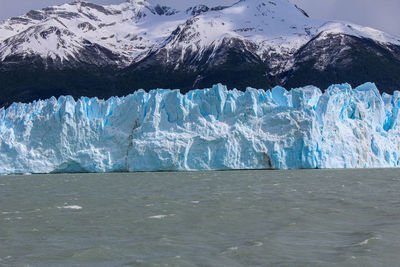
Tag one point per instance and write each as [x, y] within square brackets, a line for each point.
[190, 48]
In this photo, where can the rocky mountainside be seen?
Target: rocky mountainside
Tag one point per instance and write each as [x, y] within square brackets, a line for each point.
[81, 48]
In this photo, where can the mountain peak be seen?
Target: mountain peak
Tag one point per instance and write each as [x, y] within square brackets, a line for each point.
[163, 10]
[197, 10]
[138, 2]
[276, 8]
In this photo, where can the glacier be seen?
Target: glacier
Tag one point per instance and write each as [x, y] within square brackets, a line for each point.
[209, 129]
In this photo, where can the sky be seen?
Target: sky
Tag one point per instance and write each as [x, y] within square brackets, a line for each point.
[379, 14]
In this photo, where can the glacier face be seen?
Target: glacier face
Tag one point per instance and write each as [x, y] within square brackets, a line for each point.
[210, 129]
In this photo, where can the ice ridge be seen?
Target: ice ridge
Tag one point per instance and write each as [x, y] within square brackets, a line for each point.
[210, 129]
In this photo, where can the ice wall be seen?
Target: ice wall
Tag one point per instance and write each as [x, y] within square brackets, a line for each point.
[210, 129]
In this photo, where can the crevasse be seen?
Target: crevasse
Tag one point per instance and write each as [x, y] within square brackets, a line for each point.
[210, 129]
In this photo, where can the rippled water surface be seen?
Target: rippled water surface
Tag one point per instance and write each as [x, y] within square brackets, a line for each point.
[240, 218]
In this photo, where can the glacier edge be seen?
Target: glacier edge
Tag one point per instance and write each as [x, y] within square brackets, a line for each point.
[210, 129]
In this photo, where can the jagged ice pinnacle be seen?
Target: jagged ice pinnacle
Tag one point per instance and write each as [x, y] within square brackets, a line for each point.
[211, 129]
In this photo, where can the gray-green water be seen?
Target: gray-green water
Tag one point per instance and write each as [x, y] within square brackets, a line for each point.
[241, 218]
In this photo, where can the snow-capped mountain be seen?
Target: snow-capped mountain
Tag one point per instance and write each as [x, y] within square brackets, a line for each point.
[119, 33]
[81, 48]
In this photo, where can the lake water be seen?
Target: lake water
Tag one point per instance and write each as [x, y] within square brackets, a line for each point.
[239, 218]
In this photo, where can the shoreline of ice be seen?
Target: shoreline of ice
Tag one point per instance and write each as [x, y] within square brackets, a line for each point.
[210, 129]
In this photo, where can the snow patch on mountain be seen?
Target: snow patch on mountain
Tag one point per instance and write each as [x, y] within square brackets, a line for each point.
[337, 27]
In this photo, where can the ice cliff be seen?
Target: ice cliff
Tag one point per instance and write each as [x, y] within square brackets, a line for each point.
[210, 129]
